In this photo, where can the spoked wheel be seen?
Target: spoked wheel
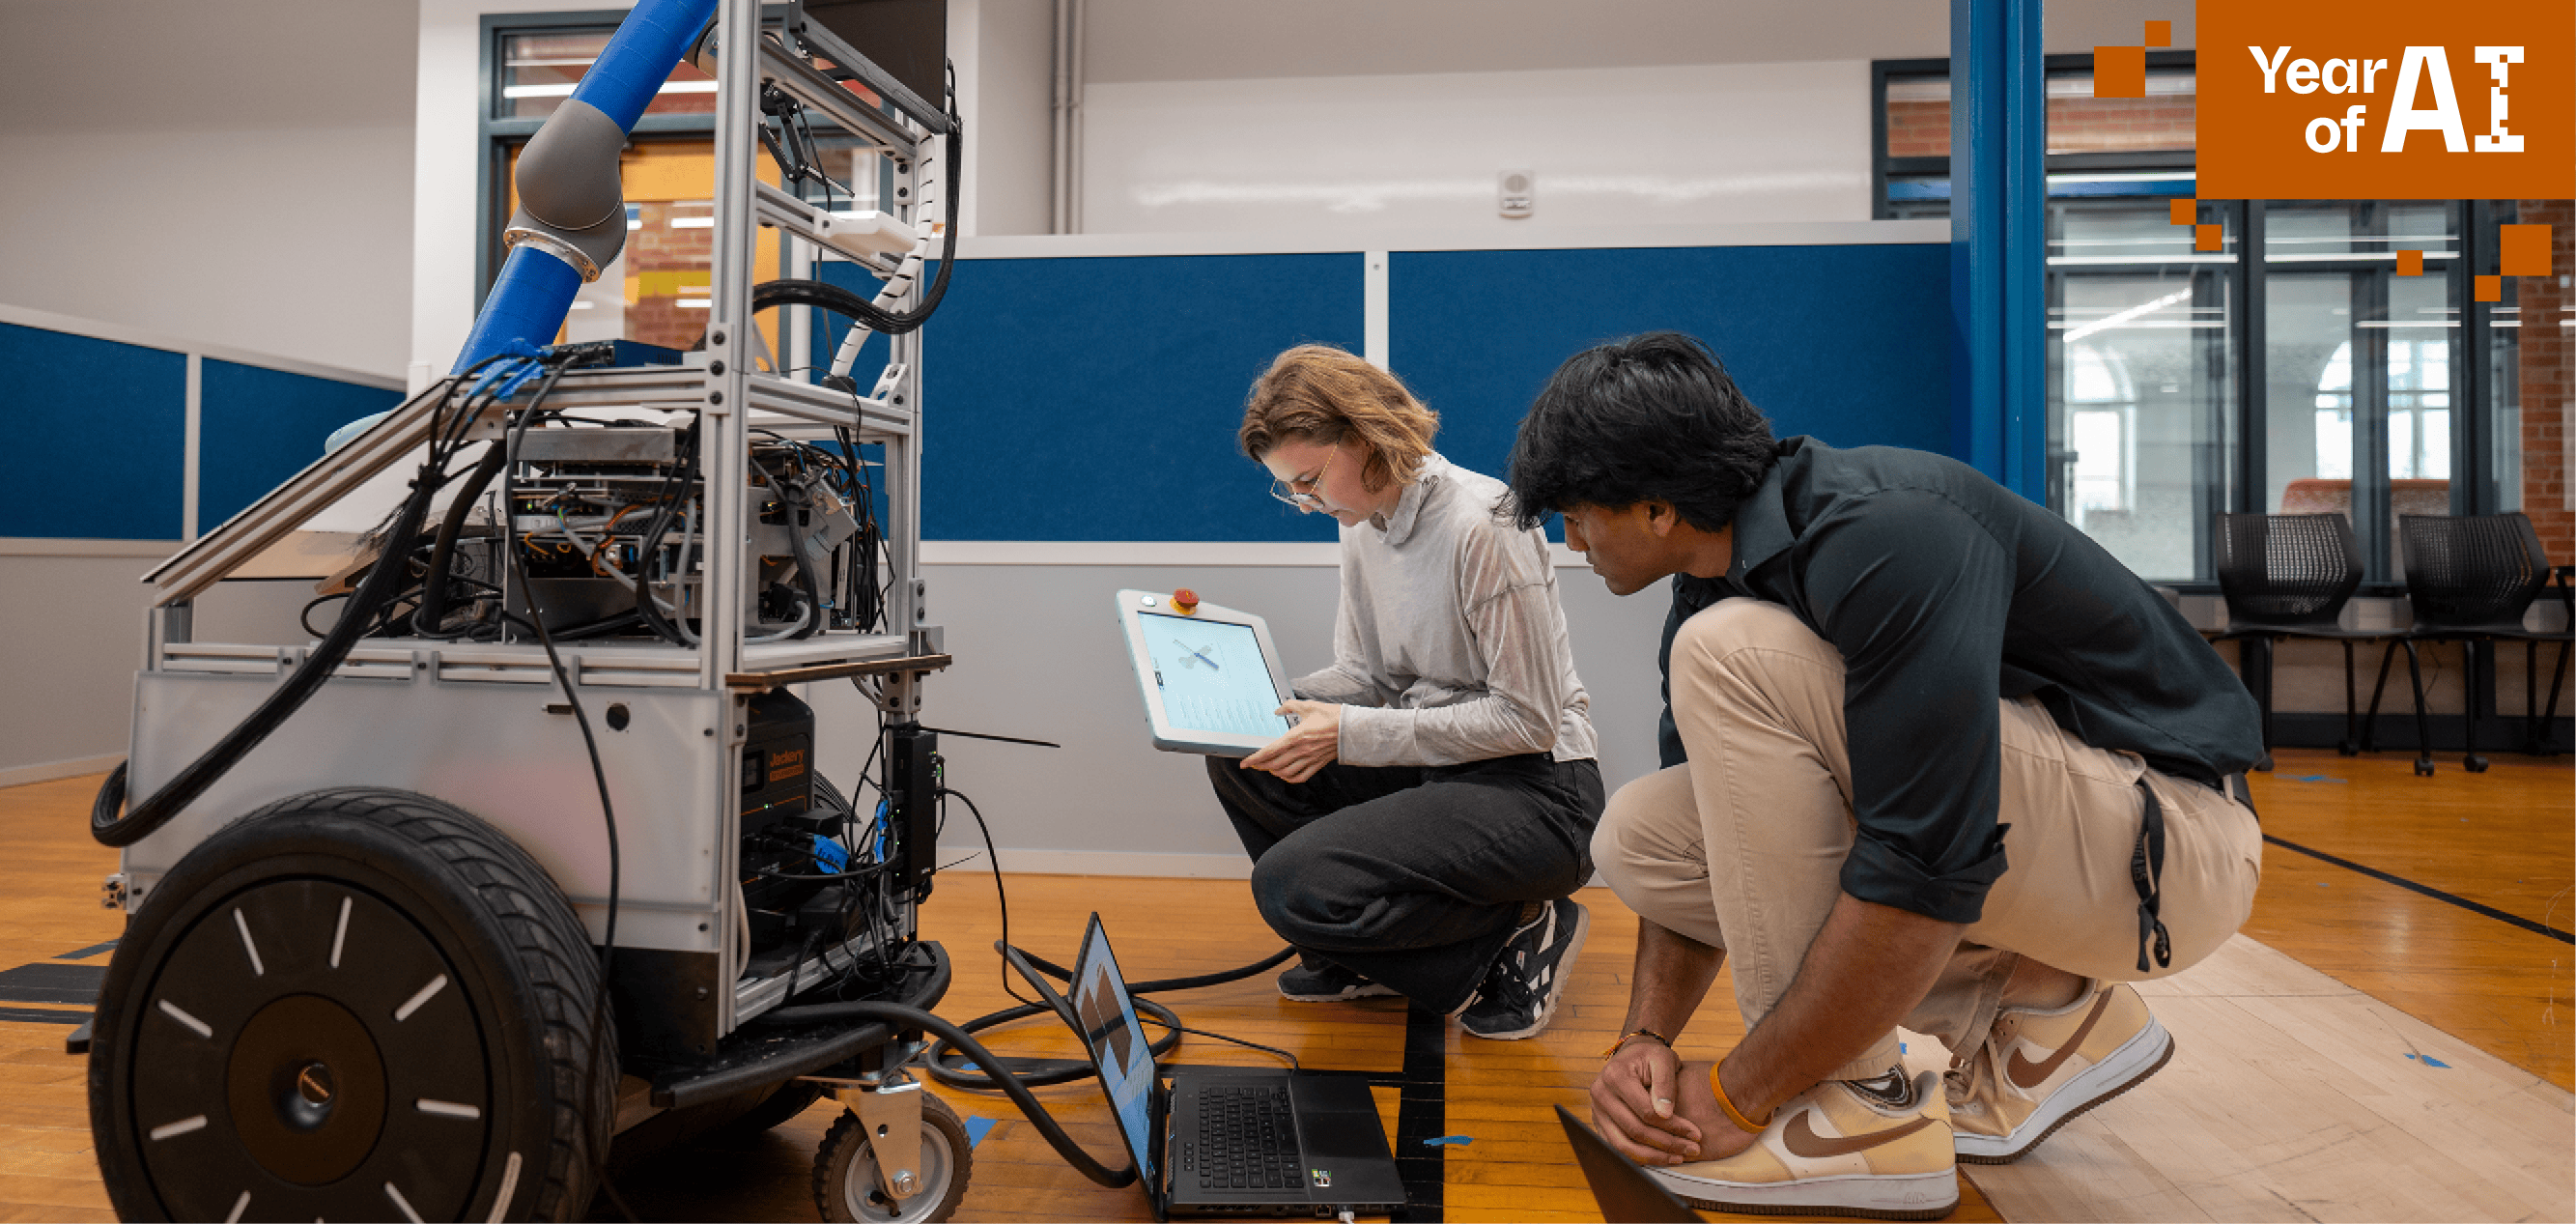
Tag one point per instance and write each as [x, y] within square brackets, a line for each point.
[355, 1004]
[846, 1186]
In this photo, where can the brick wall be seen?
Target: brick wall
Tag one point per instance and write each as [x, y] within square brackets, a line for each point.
[2548, 378]
[2075, 125]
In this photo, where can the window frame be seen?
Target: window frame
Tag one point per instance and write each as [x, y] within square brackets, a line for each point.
[2473, 479]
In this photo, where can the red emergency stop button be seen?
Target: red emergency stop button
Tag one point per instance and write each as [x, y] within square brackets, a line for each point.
[1186, 600]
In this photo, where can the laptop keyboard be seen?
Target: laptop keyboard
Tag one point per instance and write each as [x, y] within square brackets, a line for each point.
[1247, 1140]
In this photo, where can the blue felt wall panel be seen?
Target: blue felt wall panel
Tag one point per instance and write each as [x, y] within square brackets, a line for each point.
[1097, 399]
[97, 437]
[1849, 343]
[256, 427]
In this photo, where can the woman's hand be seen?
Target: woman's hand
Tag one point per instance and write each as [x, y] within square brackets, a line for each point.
[1309, 746]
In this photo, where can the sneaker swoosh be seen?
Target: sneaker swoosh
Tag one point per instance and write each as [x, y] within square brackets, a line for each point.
[2027, 1074]
[1800, 1137]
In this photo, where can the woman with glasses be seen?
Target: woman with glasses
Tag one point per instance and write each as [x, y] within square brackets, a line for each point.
[1421, 828]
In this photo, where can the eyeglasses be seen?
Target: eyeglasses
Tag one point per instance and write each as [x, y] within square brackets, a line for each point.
[1306, 502]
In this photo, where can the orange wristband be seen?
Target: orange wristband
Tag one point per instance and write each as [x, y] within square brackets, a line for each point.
[1734, 1115]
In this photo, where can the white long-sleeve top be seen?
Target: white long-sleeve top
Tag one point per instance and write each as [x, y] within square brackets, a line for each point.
[1449, 645]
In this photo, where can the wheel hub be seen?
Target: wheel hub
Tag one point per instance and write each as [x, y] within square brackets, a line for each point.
[307, 1089]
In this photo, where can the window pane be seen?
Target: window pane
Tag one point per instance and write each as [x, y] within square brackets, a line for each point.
[2078, 122]
[2362, 364]
[656, 290]
[538, 71]
[2139, 399]
[1918, 115]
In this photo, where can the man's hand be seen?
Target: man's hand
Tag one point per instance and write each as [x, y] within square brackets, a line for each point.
[1309, 746]
[1633, 1108]
[1658, 1109]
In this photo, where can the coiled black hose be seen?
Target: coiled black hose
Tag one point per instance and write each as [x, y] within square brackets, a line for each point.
[1011, 1086]
[381, 583]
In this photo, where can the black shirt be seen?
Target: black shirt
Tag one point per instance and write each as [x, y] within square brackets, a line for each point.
[1945, 593]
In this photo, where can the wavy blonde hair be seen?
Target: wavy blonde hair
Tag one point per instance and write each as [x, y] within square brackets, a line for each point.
[1324, 394]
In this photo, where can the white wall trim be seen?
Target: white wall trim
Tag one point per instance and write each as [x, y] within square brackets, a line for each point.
[38, 546]
[1194, 554]
[1016, 861]
[1116, 863]
[51, 770]
[1533, 238]
[47, 320]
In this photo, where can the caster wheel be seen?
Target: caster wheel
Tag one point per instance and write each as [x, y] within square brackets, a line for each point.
[2347, 748]
[845, 1170]
[2475, 763]
[355, 1004]
[2423, 769]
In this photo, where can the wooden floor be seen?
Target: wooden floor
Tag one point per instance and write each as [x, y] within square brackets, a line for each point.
[2364, 1052]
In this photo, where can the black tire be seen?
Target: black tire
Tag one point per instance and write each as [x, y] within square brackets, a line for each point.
[353, 1004]
[778, 1108]
[845, 1171]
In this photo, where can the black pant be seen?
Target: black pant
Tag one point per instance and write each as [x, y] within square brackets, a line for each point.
[1413, 877]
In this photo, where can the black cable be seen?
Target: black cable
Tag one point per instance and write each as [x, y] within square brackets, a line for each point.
[898, 1015]
[109, 828]
[1249, 1045]
[1062, 1072]
[432, 612]
[563, 680]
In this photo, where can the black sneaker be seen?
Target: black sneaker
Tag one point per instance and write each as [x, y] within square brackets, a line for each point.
[1521, 990]
[1322, 981]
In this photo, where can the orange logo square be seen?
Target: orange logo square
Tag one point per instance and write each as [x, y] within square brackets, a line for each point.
[2376, 99]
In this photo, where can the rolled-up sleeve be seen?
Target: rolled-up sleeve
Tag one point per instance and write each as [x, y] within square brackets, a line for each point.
[1916, 594]
[1507, 595]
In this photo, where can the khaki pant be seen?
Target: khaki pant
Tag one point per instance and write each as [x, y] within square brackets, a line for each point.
[1742, 847]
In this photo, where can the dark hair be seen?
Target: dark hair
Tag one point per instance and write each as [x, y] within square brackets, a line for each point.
[1647, 418]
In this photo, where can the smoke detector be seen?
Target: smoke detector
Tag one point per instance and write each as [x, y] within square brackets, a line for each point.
[1515, 192]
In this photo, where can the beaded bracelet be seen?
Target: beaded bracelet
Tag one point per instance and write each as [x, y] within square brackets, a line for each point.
[1616, 1046]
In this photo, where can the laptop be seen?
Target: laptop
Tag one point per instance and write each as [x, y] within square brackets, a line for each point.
[1232, 1141]
[1626, 1193]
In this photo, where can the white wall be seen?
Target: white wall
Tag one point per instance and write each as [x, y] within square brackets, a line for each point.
[1695, 144]
[1199, 40]
[1005, 56]
[235, 173]
[1342, 116]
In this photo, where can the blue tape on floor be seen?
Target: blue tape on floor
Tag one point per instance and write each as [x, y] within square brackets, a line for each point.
[2307, 778]
[2430, 1061]
[977, 1128]
[1449, 1141]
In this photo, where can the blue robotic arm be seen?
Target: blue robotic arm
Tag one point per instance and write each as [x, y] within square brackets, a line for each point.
[571, 221]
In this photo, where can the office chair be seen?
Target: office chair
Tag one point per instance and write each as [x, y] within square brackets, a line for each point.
[2470, 579]
[2289, 576]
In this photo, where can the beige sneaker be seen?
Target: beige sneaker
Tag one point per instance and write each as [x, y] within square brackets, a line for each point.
[2037, 1069]
[1836, 1149]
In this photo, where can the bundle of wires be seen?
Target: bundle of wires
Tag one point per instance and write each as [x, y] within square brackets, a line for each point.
[472, 392]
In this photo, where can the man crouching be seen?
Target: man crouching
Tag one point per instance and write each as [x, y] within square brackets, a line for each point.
[1883, 671]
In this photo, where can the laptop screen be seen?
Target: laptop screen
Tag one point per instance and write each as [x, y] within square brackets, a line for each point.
[1117, 1041]
[1211, 676]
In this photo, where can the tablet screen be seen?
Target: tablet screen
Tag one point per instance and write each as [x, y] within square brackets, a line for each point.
[1210, 676]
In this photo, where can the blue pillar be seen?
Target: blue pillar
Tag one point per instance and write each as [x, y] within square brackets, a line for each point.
[1998, 234]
